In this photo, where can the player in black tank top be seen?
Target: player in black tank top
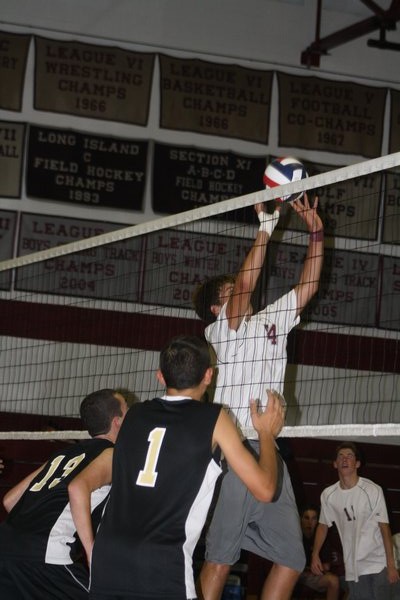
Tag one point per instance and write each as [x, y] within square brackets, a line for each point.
[163, 476]
[40, 554]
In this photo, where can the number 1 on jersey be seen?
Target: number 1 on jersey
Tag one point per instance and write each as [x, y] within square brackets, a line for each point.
[148, 475]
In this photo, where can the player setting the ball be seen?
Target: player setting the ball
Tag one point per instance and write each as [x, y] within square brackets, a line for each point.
[251, 357]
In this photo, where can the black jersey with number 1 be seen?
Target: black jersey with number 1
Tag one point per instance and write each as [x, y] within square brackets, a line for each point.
[164, 475]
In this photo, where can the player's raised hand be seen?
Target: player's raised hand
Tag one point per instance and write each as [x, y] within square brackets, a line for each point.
[268, 221]
[308, 213]
[270, 420]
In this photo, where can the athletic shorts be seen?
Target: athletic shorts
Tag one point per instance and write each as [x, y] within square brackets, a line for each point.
[23, 580]
[371, 587]
[312, 581]
[268, 529]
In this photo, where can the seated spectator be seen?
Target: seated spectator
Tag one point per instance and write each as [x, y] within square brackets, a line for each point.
[328, 582]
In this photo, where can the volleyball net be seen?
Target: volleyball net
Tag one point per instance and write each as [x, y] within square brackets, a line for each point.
[76, 316]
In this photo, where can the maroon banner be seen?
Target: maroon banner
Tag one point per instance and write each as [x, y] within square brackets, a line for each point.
[109, 271]
[391, 215]
[389, 313]
[215, 99]
[334, 116]
[12, 141]
[394, 128]
[14, 50]
[8, 223]
[100, 82]
[348, 289]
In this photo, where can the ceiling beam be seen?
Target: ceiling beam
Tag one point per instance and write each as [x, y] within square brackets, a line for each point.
[383, 20]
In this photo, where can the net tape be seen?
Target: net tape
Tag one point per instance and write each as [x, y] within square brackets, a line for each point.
[380, 430]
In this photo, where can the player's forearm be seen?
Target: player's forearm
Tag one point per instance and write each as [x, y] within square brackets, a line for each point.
[320, 536]
[253, 263]
[387, 544]
[79, 498]
[268, 462]
[12, 496]
[311, 273]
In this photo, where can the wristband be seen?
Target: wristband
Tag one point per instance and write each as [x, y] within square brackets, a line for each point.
[317, 236]
[268, 222]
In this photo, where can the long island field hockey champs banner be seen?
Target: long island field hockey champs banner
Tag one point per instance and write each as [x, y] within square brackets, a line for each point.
[14, 50]
[99, 82]
[215, 99]
[70, 166]
[333, 116]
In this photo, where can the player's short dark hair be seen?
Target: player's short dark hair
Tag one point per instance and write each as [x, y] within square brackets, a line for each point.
[98, 409]
[207, 295]
[184, 361]
[350, 446]
[309, 506]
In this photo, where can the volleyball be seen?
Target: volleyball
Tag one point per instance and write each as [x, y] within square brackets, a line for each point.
[284, 170]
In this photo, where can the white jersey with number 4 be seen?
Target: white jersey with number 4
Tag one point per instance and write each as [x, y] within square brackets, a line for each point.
[252, 359]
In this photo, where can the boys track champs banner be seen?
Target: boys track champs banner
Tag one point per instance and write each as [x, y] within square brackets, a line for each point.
[215, 99]
[98, 82]
[75, 167]
[14, 50]
[334, 116]
[105, 272]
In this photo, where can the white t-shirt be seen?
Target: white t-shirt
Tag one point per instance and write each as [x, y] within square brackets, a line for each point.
[253, 358]
[357, 513]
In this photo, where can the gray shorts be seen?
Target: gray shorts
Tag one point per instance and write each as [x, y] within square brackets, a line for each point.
[269, 529]
[371, 587]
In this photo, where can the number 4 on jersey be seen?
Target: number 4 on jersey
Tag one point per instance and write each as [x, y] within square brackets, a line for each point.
[271, 333]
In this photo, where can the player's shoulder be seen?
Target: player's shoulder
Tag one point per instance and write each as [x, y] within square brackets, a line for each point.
[330, 491]
[369, 485]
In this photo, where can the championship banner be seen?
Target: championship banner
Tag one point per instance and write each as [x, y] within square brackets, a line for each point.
[348, 289]
[215, 99]
[14, 50]
[8, 222]
[70, 166]
[334, 116]
[186, 177]
[391, 215]
[389, 317]
[106, 272]
[394, 128]
[12, 139]
[177, 262]
[348, 209]
[98, 82]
